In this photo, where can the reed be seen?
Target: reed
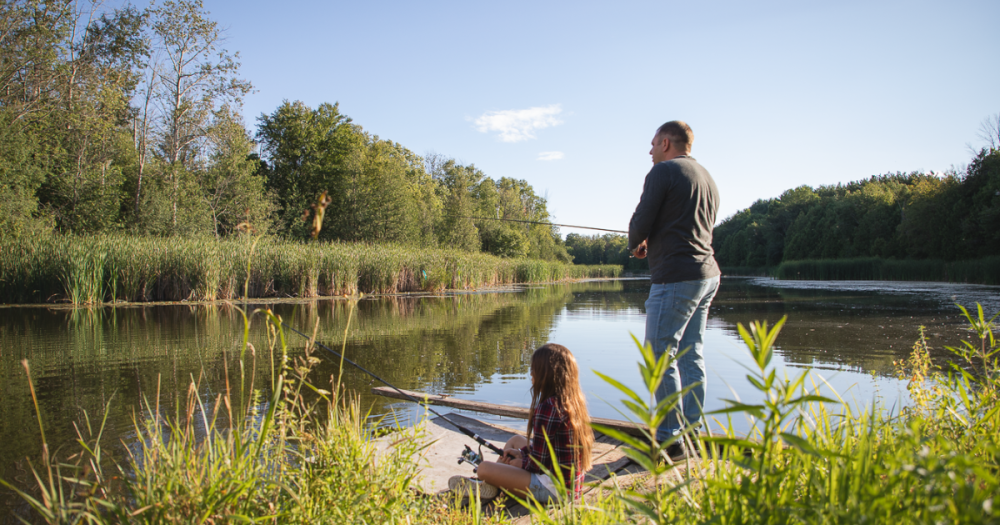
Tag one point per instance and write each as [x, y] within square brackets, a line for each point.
[981, 271]
[113, 267]
[295, 453]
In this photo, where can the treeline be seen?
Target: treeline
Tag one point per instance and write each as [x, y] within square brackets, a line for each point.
[915, 216]
[609, 248]
[130, 121]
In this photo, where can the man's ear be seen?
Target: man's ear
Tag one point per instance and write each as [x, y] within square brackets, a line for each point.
[665, 144]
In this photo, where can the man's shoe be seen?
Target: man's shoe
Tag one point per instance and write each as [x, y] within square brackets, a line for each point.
[467, 487]
[680, 449]
[677, 451]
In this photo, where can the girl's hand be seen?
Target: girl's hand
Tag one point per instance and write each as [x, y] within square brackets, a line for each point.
[510, 456]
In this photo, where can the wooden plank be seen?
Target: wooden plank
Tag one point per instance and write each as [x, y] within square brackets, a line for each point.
[491, 408]
[627, 427]
[437, 460]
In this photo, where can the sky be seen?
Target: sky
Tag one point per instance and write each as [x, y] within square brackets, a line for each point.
[568, 95]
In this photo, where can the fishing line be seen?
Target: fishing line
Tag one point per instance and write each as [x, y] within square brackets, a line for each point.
[462, 429]
[542, 223]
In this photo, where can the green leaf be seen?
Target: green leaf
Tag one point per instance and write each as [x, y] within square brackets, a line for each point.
[621, 388]
[811, 398]
[800, 444]
[628, 439]
[737, 407]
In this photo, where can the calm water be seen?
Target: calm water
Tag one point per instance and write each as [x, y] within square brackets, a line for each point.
[474, 346]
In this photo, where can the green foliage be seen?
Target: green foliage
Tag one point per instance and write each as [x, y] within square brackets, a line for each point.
[129, 120]
[457, 229]
[984, 271]
[116, 267]
[609, 248]
[307, 151]
[231, 188]
[647, 451]
[899, 216]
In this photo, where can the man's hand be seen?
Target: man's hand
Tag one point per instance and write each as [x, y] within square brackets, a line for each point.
[640, 251]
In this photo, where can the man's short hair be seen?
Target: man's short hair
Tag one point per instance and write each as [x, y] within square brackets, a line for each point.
[679, 133]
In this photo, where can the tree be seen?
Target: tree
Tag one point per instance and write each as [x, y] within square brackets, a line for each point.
[88, 134]
[195, 78]
[373, 197]
[33, 35]
[230, 186]
[457, 230]
[306, 151]
[989, 132]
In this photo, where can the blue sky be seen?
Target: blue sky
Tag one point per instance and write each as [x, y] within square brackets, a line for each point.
[567, 95]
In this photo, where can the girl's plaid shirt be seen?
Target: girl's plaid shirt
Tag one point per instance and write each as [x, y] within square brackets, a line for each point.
[551, 421]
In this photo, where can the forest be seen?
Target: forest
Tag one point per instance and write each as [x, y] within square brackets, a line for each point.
[954, 216]
[609, 248]
[129, 121]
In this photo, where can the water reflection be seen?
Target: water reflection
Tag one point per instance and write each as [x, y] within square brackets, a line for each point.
[473, 345]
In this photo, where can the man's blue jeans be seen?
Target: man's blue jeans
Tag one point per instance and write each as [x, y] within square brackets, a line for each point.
[676, 314]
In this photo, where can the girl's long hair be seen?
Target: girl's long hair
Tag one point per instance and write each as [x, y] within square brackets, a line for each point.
[556, 374]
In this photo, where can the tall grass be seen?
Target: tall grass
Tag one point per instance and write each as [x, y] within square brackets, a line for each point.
[114, 267]
[291, 453]
[982, 271]
[814, 459]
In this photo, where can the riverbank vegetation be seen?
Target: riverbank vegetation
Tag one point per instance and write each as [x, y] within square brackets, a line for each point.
[915, 226]
[290, 451]
[105, 268]
[982, 271]
[276, 450]
[609, 248]
[128, 120]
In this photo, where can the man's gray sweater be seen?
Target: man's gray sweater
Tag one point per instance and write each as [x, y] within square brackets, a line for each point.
[676, 213]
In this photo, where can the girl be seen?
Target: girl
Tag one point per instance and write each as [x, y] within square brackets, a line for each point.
[558, 411]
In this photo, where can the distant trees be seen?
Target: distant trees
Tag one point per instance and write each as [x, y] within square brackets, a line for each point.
[384, 192]
[608, 248]
[916, 216]
[66, 78]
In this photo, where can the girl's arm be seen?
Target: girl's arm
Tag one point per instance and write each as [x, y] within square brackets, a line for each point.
[546, 423]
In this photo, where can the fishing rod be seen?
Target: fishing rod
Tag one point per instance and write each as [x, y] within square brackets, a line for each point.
[482, 442]
[543, 223]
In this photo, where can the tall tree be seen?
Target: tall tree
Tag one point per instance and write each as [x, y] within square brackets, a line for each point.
[457, 230]
[231, 188]
[89, 132]
[196, 77]
[306, 153]
[33, 39]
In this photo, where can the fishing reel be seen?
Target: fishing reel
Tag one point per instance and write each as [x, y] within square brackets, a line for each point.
[471, 457]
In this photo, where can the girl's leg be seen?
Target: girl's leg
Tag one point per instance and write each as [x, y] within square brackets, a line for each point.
[506, 477]
[518, 441]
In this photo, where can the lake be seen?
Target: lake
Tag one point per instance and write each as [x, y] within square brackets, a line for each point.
[474, 345]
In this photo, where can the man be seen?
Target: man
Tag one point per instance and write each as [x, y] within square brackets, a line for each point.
[673, 225]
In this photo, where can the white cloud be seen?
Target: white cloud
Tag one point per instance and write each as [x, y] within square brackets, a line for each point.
[550, 155]
[516, 125]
